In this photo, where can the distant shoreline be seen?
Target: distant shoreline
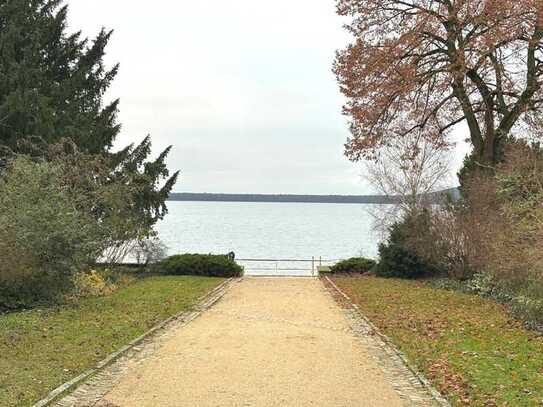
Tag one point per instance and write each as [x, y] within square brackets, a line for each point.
[286, 198]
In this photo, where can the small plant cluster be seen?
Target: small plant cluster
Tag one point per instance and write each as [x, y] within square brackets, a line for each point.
[358, 265]
[100, 282]
[200, 265]
[524, 304]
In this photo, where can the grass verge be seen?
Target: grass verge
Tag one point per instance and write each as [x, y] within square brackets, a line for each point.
[469, 347]
[43, 348]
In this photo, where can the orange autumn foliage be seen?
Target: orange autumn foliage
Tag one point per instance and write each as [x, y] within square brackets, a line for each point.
[426, 66]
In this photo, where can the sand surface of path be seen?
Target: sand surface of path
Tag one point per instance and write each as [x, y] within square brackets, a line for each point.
[268, 342]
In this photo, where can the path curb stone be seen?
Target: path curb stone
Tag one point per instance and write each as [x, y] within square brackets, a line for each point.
[205, 302]
[404, 375]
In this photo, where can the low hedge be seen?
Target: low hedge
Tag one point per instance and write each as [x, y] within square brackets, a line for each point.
[200, 265]
[354, 265]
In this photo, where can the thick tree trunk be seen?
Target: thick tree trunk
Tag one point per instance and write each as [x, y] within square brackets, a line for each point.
[489, 155]
[490, 152]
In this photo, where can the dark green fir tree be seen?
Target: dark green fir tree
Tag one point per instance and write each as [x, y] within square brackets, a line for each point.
[52, 83]
[52, 86]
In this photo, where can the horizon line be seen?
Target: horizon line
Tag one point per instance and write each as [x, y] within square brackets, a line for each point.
[297, 194]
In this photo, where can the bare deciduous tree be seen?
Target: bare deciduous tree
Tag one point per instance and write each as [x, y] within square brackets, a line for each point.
[412, 170]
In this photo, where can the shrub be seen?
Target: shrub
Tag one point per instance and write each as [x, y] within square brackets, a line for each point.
[61, 210]
[498, 225]
[91, 284]
[397, 258]
[200, 265]
[44, 237]
[353, 265]
[397, 261]
[100, 282]
[503, 210]
[449, 245]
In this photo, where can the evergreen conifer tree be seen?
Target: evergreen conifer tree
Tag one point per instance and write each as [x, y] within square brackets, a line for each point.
[52, 86]
[52, 83]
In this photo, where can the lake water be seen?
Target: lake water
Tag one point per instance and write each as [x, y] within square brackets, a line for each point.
[270, 231]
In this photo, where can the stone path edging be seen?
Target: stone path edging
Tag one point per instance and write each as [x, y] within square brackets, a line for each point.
[203, 303]
[389, 348]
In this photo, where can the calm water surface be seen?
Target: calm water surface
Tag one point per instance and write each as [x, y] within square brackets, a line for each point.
[269, 230]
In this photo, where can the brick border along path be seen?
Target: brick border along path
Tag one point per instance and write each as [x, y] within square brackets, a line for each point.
[267, 342]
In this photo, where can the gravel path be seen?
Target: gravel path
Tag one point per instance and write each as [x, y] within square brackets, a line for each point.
[269, 342]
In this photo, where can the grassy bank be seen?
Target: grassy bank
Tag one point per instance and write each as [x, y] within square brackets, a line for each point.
[43, 348]
[469, 347]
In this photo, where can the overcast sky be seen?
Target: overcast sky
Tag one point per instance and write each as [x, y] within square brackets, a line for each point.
[242, 89]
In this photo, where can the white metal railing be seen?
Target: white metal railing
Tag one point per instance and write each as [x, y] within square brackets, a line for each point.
[284, 267]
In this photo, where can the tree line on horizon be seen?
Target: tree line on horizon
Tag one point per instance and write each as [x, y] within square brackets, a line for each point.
[435, 197]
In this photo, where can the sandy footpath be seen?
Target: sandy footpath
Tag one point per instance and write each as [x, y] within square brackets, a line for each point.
[268, 342]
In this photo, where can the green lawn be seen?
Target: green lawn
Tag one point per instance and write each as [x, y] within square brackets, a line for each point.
[43, 348]
[469, 347]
